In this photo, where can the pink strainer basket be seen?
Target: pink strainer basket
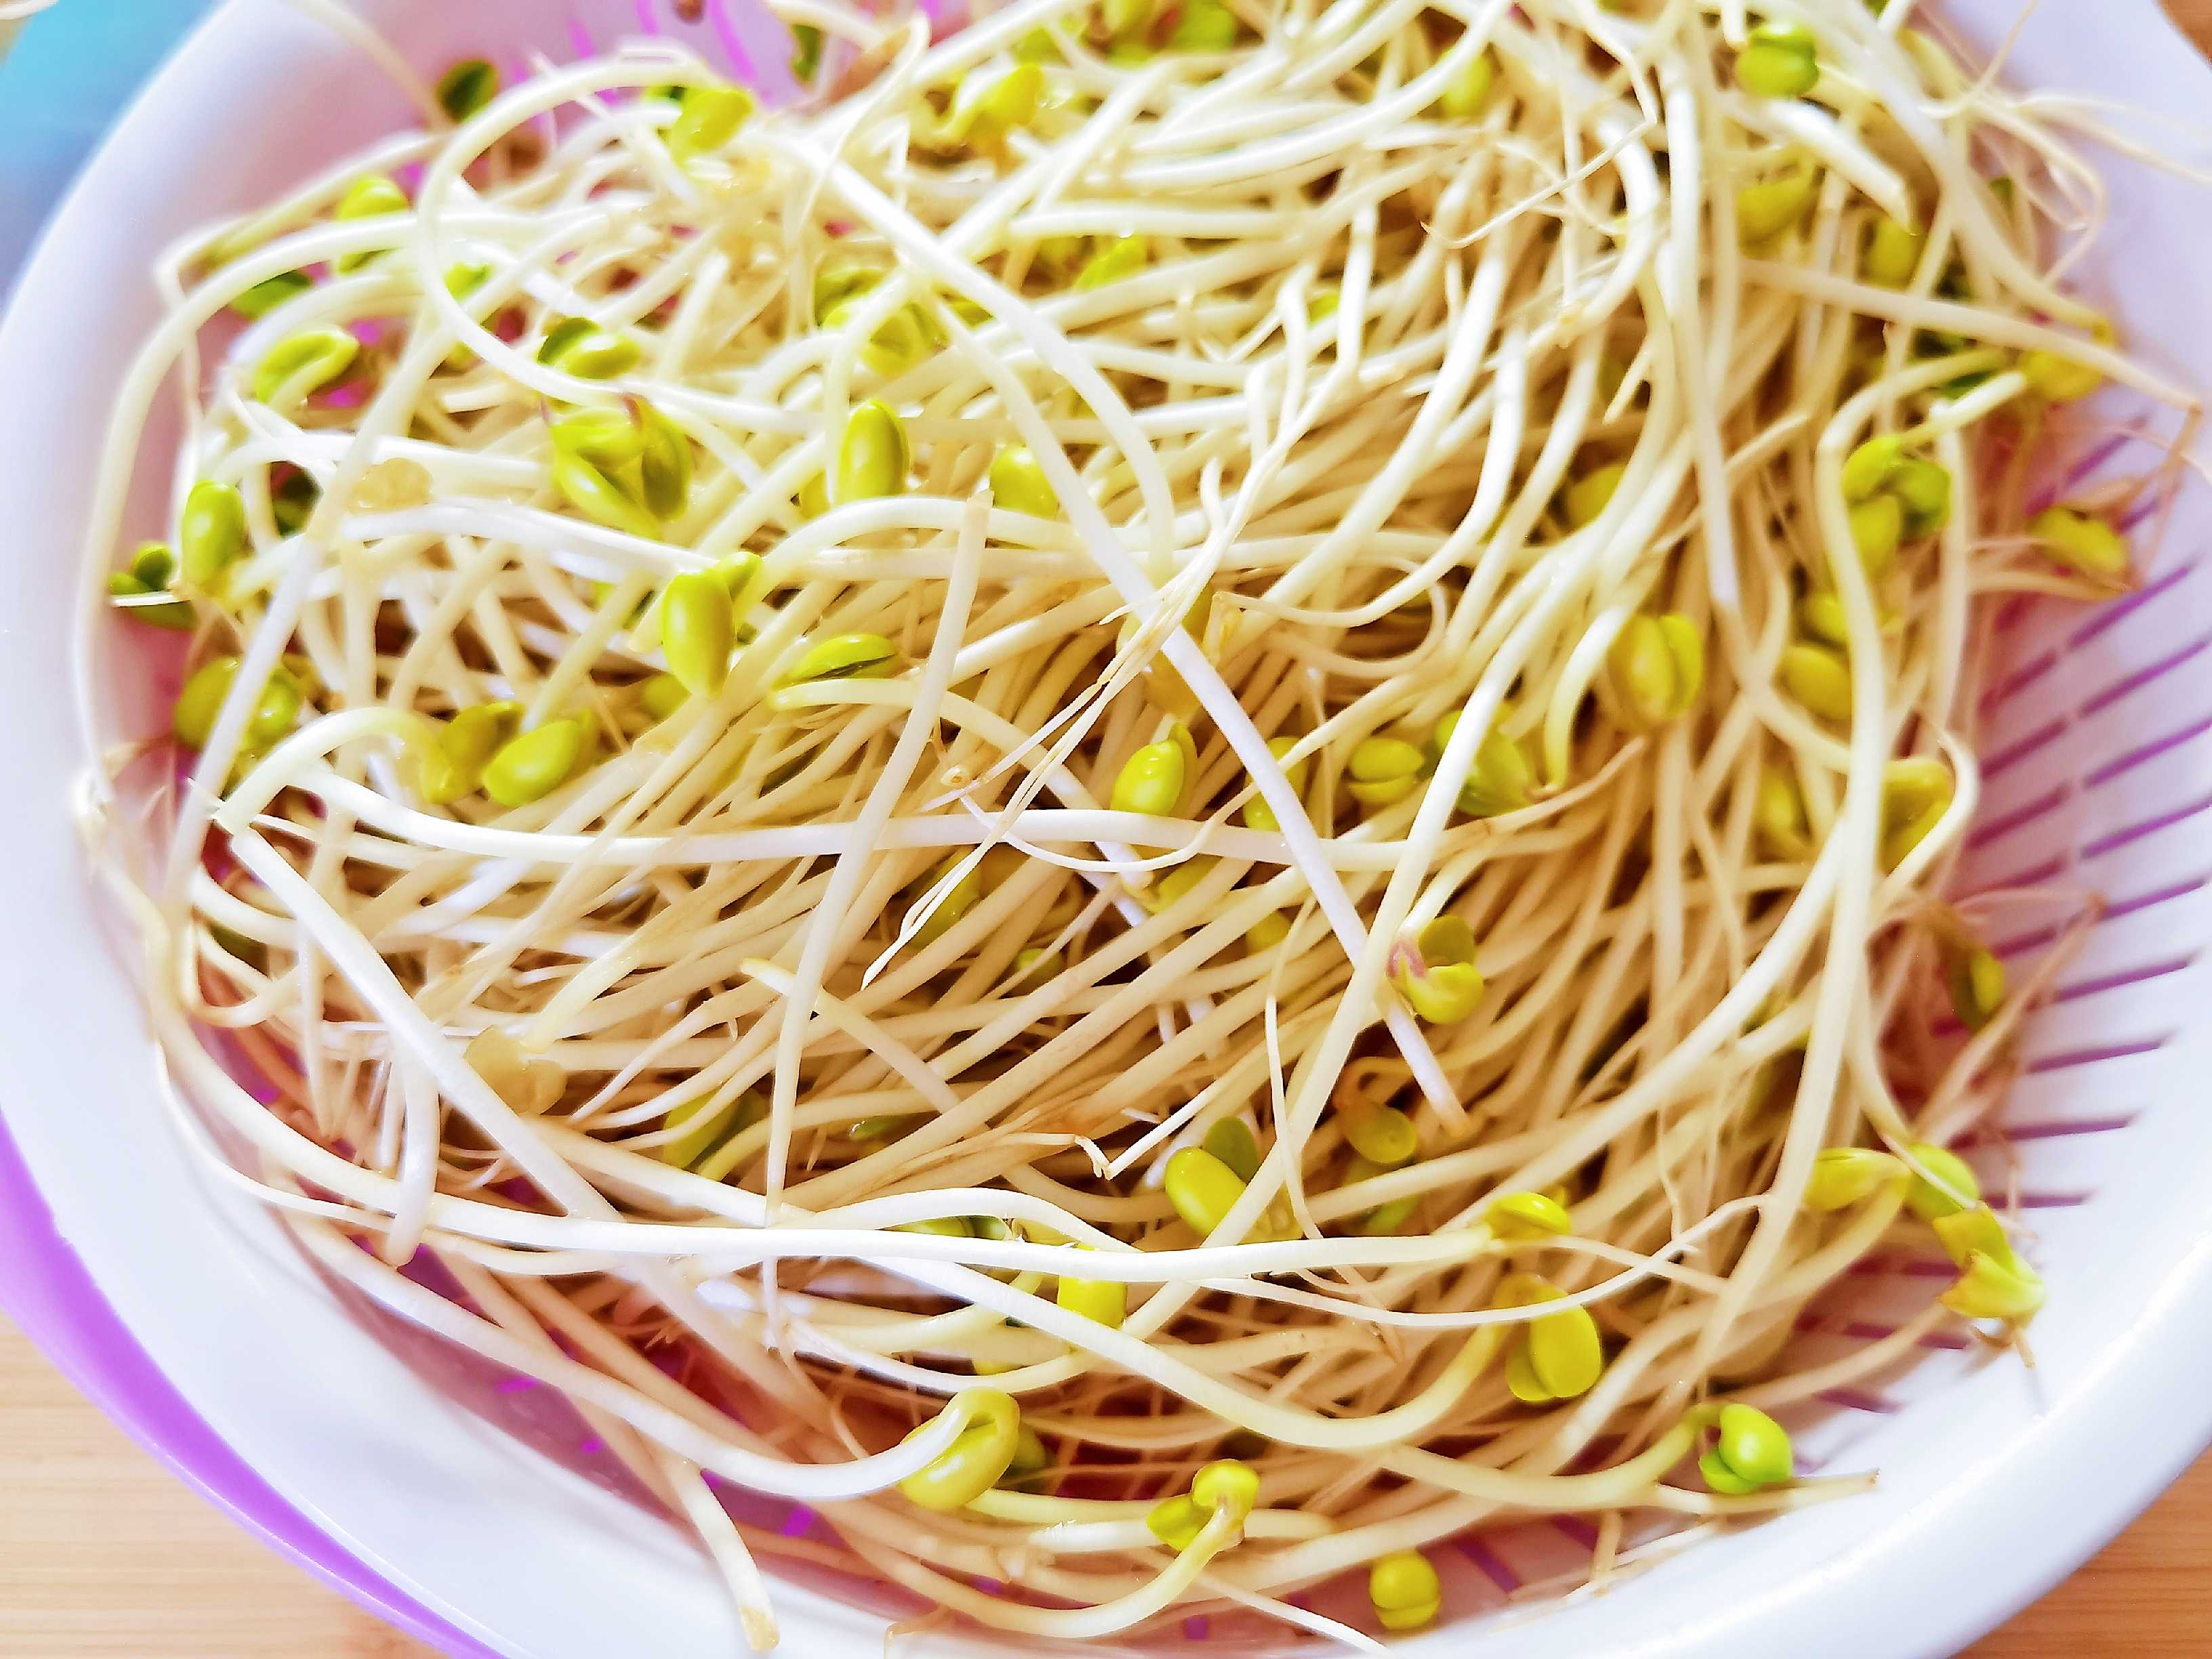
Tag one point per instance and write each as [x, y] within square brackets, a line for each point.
[351, 1436]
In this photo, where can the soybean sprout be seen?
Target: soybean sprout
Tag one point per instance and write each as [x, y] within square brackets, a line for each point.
[1205, 750]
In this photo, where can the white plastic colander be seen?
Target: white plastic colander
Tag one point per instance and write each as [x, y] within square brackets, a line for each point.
[1996, 1479]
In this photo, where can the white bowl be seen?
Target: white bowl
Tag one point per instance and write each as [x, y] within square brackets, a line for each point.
[1995, 1480]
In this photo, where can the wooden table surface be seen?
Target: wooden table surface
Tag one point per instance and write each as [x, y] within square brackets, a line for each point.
[104, 1556]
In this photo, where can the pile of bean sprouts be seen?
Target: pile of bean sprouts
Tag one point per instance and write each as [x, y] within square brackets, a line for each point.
[1184, 744]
